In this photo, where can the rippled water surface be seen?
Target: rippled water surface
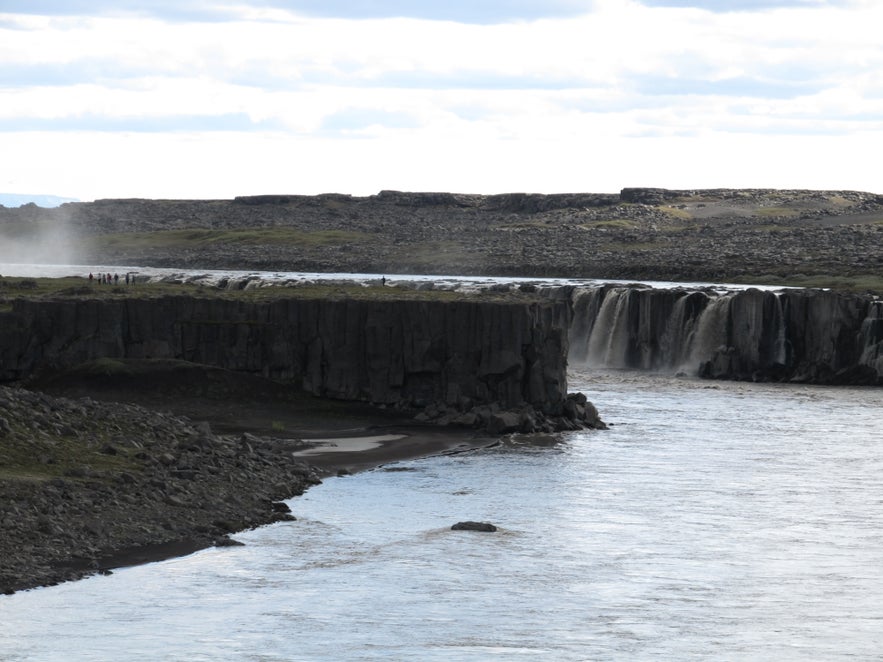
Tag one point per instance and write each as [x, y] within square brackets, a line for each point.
[713, 521]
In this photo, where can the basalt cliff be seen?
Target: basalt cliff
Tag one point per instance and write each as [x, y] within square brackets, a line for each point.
[495, 362]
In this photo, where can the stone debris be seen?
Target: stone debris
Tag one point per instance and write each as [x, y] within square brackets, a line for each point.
[86, 486]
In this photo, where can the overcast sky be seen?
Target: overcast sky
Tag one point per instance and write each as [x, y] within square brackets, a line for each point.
[217, 98]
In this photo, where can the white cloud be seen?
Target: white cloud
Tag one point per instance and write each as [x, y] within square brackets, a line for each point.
[580, 103]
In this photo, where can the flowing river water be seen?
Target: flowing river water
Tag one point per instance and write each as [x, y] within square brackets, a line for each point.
[714, 520]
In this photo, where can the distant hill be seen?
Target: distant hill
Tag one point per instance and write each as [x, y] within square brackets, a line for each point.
[19, 199]
[767, 236]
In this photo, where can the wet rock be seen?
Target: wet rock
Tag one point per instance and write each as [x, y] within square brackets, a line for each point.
[503, 422]
[484, 527]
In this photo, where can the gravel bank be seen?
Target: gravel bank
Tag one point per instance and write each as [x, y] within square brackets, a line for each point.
[87, 486]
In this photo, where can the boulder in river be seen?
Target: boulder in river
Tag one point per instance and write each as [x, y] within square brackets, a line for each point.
[474, 526]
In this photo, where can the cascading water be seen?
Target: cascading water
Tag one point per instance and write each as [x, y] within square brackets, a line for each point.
[751, 334]
[586, 306]
[606, 341]
[661, 330]
[710, 335]
[872, 338]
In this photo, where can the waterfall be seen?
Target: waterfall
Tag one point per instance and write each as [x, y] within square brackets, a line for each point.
[608, 341]
[752, 334]
[781, 349]
[872, 338]
[683, 325]
[631, 328]
[586, 304]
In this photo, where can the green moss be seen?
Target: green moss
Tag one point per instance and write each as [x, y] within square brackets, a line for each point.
[67, 457]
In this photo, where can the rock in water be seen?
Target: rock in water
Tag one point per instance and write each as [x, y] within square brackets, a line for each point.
[474, 526]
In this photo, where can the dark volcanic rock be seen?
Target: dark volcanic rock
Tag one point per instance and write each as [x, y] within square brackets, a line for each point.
[461, 354]
[484, 527]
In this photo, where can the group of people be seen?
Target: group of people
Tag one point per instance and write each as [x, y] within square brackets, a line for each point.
[108, 279]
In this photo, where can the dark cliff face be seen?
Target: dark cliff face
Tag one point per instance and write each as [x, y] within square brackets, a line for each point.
[811, 336]
[409, 353]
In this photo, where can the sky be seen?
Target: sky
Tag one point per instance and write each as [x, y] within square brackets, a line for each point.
[219, 98]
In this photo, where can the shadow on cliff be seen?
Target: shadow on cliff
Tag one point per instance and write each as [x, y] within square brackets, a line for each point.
[231, 402]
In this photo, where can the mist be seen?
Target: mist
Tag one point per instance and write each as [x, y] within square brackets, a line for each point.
[34, 235]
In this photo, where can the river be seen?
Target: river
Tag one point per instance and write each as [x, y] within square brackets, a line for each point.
[714, 520]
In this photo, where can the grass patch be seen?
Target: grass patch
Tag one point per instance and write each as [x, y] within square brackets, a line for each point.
[609, 224]
[192, 238]
[767, 212]
[66, 457]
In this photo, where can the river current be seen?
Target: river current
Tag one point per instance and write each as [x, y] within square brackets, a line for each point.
[714, 520]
